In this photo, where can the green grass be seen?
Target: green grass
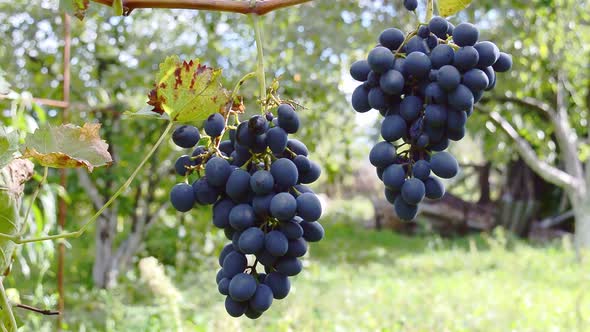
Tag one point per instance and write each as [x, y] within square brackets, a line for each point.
[362, 280]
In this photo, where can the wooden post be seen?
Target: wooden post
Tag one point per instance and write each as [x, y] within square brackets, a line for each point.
[62, 208]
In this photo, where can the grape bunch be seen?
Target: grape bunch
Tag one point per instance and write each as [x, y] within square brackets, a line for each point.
[425, 86]
[256, 181]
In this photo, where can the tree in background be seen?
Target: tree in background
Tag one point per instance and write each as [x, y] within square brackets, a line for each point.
[548, 98]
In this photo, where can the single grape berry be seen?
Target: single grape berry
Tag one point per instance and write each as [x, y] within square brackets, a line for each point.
[488, 53]
[391, 38]
[288, 119]
[404, 210]
[382, 154]
[439, 27]
[258, 124]
[359, 70]
[182, 197]
[380, 59]
[413, 191]
[448, 77]
[466, 58]
[214, 125]
[393, 128]
[444, 165]
[421, 170]
[392, 82]
[504, 63]
[442, 55]
[418, 64]
[465, 34]
[411, 5]
[186, 136]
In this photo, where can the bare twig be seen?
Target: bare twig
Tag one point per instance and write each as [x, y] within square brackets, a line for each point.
[529, 102]
[556, 220]
[45, 312]
[43, 101]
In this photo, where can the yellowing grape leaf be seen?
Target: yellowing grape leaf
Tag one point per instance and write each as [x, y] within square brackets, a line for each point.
[8, 145]
[187, 91]
[68, 146]
[451, 7]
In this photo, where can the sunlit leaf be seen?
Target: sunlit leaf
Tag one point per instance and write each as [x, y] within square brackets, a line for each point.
[77, 8]
[118, 7]
[451, 7]
[68, 146]
[187, 91]
[8, 145]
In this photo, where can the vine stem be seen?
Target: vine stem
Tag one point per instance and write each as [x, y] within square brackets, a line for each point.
[257, 24]
[7, 308]
[429, 10]
[241, 82]
[109, 202]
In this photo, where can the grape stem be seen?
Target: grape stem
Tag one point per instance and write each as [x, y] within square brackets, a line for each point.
[257, 24]
[429, 10]
[240, 83]
[410, 35]
[119, 191]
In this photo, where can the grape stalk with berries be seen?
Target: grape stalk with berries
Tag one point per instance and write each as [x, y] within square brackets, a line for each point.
[425, 84]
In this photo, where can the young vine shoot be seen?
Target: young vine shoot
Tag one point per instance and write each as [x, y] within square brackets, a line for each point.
[425, 84]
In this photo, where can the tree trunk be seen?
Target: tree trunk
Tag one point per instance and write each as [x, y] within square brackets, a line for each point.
[581, 207]
[484, 183]
[103, 262]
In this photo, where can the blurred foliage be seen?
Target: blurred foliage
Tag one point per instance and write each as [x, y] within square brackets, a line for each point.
[363, 280]
[409, 284]
[546, 39]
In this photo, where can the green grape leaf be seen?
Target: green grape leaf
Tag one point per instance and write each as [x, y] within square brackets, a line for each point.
[12, 183]
[77, 8]
[68, 146]
[8, 145]
[187, 91]
[451, 7]
[118, 7]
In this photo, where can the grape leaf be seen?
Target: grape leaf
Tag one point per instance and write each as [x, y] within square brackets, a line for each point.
[68, 146]
[12, 183]
[187, 91]
[451, 7]
[8, 145]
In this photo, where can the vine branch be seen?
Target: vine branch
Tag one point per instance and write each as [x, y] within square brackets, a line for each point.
[530, 102]
[548, 172]
[260, 7]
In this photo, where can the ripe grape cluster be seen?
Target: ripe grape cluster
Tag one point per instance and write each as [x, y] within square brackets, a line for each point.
[256, 181]
[425, 85]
